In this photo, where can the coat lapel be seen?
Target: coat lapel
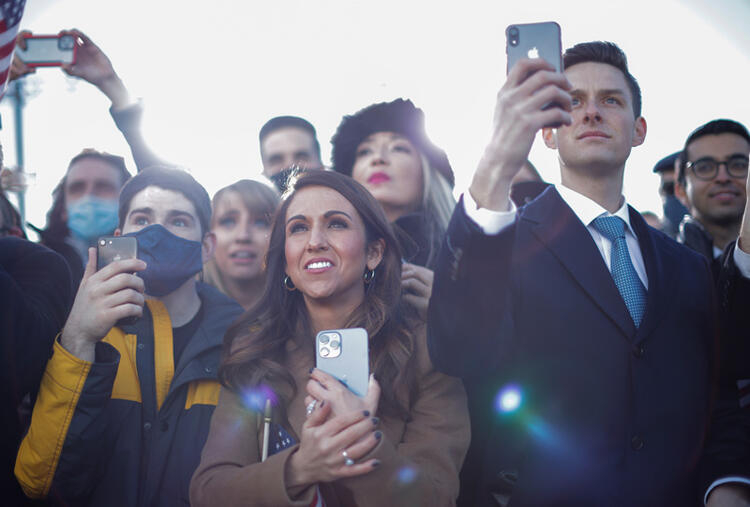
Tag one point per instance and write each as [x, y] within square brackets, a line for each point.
[658, 270]
[560, 230]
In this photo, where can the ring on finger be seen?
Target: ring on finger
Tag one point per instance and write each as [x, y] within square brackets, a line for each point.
[311, 407]
[347, 460]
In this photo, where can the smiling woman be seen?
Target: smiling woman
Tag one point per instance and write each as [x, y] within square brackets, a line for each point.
[333, 262]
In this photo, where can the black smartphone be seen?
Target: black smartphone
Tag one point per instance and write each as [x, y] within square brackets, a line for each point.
[343, 353]
[534, 40]
[116, 248]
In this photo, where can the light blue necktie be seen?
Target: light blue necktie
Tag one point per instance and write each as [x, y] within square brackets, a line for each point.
[630, 286]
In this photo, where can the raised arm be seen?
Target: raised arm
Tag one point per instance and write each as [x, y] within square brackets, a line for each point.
[469, 317]
[93, 66]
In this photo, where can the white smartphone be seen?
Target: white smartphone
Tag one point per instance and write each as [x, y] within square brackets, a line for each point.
[344, 354]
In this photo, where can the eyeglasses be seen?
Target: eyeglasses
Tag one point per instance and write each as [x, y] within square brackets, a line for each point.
[707, 168]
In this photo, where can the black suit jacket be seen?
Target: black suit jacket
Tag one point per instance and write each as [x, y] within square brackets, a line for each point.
[611, 414]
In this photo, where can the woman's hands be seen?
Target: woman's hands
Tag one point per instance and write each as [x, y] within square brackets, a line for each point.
[340, 430]
[324, 387]
[327, 443]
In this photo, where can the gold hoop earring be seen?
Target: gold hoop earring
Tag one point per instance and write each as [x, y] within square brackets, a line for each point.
[288, 284]
[369, 276]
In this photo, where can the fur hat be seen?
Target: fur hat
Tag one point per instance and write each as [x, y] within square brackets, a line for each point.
[400, 116]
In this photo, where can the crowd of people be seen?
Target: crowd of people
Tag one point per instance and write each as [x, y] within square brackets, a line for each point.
[529, 345]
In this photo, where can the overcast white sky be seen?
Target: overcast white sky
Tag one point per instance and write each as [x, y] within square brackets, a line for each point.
[211, 73]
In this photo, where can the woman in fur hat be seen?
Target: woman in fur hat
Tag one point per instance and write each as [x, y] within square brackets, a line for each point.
[385, 148]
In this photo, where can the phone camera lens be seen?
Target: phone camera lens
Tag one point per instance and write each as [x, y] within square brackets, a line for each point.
[324, 352]
[102, 242]
[324, 338]
[66, 42]
[334, 344]
[513, 36]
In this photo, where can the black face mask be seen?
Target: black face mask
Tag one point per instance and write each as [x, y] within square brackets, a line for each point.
[170, 260]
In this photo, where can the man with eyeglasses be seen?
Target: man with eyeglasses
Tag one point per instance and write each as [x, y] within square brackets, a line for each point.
[711, 182]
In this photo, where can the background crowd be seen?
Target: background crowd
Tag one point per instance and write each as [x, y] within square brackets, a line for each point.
[509, 364]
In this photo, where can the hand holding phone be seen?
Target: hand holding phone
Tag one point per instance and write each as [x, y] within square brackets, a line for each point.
[111, 249]
[522, 109]
[103, 298]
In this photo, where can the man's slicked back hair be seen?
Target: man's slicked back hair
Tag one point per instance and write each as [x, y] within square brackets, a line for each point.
[281, 122]
[609, 53]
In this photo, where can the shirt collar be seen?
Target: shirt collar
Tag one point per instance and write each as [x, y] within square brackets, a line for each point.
[587, 210]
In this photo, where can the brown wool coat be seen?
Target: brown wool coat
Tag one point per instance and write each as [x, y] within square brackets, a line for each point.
[432, 444]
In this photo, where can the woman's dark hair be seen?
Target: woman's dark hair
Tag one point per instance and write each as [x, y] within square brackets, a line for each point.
[57, 228]
[256, 345]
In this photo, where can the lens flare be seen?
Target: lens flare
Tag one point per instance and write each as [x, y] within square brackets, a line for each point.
[509, 399]
[255, 399]
[406, 475]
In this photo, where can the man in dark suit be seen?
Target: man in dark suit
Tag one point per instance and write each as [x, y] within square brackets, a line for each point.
[602, 328]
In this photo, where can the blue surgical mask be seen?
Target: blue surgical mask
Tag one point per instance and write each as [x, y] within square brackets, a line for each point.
[170, 259]
[91, 217]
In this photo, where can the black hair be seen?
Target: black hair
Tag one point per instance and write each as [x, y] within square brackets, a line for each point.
[57, 228]
[712, 128]
[168, 178]
[280, 122]
[609, 53]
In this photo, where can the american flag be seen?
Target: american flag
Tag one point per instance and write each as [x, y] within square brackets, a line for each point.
[10, 18]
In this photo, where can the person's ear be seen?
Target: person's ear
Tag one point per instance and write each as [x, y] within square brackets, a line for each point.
[375, 252]
[549, 137]
[639, 131]
[681, 193]
[208, 247]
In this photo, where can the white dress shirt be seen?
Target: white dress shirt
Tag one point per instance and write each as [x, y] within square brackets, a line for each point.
[492, 222]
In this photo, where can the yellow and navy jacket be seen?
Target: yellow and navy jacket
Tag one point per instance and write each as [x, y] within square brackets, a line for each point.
[127, 429]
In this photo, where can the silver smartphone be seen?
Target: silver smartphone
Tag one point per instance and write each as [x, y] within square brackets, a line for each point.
[534, 40]
[344, 354]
